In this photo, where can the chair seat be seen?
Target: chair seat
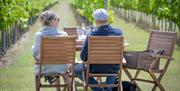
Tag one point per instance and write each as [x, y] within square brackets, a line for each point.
[54, 85]
[55, 74]
[103, 85]
[101, 75]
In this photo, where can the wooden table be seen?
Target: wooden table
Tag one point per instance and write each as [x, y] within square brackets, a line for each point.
[79, 44]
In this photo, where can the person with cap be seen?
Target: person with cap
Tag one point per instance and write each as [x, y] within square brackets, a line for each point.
[50, 22]
[102, 29]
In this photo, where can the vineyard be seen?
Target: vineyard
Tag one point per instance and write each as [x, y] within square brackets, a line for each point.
[86, 8]
[16, 16]
[163, 15]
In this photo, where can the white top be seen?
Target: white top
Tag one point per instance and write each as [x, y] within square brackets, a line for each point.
[47, 31]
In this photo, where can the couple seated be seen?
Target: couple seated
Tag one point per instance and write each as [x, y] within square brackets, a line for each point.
[50, 22]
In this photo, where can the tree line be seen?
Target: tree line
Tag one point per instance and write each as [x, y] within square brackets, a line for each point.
[162, 15]
[157, 14]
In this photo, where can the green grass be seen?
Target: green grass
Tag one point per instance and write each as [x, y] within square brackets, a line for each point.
[19, 75]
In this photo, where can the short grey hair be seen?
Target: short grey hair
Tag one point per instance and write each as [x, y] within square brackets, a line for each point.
[101, 15]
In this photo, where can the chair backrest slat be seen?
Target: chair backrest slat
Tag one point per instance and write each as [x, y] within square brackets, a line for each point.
[163, 41]
[71, 31]
[57, 50]
[105, 49]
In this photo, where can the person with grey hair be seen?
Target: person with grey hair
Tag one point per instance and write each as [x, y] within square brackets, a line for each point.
[102, 29]
[50, 22]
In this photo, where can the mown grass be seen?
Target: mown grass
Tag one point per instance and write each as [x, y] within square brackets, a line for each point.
[19, 76]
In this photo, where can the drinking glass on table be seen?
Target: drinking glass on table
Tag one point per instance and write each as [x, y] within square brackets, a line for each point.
[81, 34]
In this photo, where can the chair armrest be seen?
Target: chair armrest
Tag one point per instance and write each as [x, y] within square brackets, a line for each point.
[136, 51]
[162, 56]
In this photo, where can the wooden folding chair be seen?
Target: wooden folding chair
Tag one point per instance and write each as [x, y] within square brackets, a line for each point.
[71, 31]
[104, 50]
[56, 50]
[160, 48]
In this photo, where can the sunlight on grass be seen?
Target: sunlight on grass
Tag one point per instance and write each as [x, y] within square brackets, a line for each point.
[136, 37]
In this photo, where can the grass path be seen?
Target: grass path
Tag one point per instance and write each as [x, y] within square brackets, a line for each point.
[18, 76]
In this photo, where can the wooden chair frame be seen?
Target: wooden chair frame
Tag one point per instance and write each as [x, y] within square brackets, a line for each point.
[71, 31]
[56, 50]
[104, 50]
[162, 40]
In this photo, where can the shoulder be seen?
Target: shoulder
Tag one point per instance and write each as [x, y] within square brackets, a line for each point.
[95, 32]
[63, 33]
[38, 34]
[117, 31]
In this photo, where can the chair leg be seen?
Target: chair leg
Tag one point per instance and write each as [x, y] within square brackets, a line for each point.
[64, 89]
[120, 86]
[86, 88]
[76, 84]
[58, 82]
[37, 84]
[76, 87]
[156, 81]
[85, 84]
[85, 78]
[72, 85]
[118, 89]
[162, 74]
[37, 89]
[155, 86]
[131, 77]
[136, 75]
[68, 88]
